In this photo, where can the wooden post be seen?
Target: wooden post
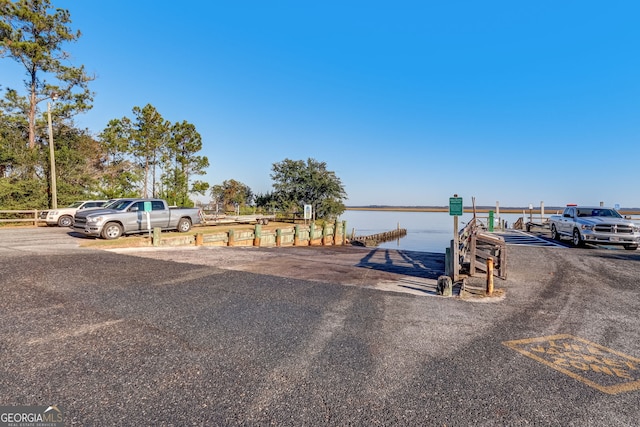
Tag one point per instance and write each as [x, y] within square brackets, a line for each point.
[312, 232]
[296, 235]
[456, 249]
[502, 259]
[472, 256]
[232, 240]
[199, 239]
[156, 236]
[278, 237]
[325, 233]
[489, 276]
[257, 234]
[473, 201]
[447, 262]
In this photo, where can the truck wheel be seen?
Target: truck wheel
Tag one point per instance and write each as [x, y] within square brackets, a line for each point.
[65, 221]
[631, 247]
[554, 233]
[577, 238]
[265, 221]
[111, 230]
[184, 225]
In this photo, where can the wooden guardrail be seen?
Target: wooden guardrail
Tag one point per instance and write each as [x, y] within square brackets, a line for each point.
[12, 216]
[453, 265]
[294, 218]
[476, 246]
[486, 246]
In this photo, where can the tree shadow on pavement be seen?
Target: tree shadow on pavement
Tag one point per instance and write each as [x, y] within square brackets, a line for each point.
[427, 265]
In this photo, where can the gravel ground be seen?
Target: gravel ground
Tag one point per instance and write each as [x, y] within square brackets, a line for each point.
[234, 336]
[399, 271]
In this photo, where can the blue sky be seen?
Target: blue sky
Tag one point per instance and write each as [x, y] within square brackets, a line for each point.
[408, 102]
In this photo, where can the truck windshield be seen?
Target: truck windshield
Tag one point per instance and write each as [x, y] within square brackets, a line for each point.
[599, 212]
[119, 204]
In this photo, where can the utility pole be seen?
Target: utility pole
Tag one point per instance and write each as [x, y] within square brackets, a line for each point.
[52, 156]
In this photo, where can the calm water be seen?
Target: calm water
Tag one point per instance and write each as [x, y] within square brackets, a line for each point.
[426, 231]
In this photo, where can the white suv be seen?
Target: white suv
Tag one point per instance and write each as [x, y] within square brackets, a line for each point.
[63, 217]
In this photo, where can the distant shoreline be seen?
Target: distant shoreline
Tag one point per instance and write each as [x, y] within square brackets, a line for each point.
[468, 209]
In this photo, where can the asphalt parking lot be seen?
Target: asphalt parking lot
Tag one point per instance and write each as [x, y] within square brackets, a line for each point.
[331, 336]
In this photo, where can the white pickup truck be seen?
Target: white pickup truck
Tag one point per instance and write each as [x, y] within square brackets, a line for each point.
[128, 216]
[63, 217]
[595, 225]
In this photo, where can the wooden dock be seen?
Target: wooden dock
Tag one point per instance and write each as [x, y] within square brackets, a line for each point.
[237, 219]
[375, 239]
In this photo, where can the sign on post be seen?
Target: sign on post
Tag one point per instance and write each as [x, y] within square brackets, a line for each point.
[307, 212]
[455, 210]
[147, 213]
[455, 206]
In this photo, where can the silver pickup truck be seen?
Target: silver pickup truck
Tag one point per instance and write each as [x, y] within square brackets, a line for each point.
[128, 216]
[595, 225]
